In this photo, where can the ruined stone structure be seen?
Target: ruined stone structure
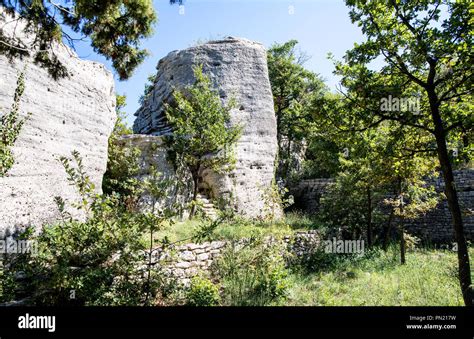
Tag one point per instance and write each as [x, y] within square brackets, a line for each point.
[185, 261]
[435, 226]
[238, 69]
[73, 113]
[307, 193]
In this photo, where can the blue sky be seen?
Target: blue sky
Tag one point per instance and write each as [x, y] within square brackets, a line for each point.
[320, 26]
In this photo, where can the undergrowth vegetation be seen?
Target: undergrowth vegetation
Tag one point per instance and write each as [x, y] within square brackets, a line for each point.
[238, 228]
[429, 277]
[103, 260]
[252, 274]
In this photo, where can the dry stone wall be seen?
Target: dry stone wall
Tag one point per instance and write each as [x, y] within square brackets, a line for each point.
[435, 226]
[186, 261]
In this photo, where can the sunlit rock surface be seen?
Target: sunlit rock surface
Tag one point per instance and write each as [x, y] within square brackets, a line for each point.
[74, 113]
[238, 69]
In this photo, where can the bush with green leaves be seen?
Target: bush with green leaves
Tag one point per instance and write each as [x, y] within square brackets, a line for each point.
[10, 127]
[275, 200]
[202, 292]
[344, 207]
[103, 260]
[123, 163]
[8, 285]
[203, 137]
[252, 273]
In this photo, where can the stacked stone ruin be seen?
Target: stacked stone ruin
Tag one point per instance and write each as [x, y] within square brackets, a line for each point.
[435, 226]
[185, 261]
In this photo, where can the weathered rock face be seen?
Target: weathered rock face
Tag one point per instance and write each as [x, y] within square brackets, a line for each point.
[153, 154]
[238, 69]
[74, 113]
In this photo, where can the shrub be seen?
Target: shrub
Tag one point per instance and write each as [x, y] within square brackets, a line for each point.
[202, 292]
[10, 126]
[82, 262]
[252, 274]
[122, 164]
[103, 260]
[275, 200]
[7, 281]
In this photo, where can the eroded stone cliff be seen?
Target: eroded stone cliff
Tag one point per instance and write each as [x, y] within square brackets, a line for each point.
[73, 113]
[238, 69]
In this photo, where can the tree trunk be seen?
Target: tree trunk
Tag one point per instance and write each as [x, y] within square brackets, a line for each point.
[453, 202]
[195, 175]
[388, 229]
[402, 227]
[148, 279]
[288, 159]
[402, 244]
[369, 217]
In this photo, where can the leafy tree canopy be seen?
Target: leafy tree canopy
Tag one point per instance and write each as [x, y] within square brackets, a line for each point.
[115, 28]
[293, 88]
[426, 49]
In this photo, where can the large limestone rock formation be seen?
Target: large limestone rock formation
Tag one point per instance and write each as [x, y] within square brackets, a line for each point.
[74, 113]
[154, 155]
[238, 68]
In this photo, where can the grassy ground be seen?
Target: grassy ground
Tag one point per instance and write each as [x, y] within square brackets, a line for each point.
[185, 230]
[429, 278]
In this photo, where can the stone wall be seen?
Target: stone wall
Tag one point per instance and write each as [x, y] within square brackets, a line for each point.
[435, 226]
[238, 69]
[186, 261]
[73, 113]
[307, 194]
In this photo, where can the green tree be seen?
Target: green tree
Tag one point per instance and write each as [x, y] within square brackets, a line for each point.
[369, 162]
[426, 50]
[10, 127]
[293, 88]
[115, 29]
[202, 134]
[322, 158]
[149, 85]
[378, 166]
[122, 165]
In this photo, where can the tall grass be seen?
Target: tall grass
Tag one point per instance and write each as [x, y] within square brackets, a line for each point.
[377, 279]
[238, 228]
[429, 277]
